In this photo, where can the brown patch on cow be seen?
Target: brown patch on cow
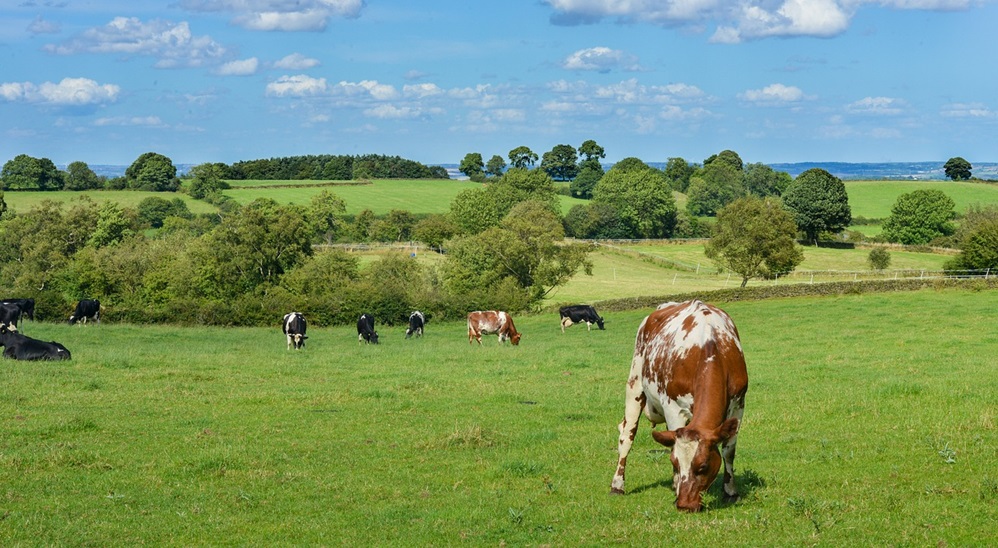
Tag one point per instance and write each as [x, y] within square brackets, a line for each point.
[631, 382]
[689, 322]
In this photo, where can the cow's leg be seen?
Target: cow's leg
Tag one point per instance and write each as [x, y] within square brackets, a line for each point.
[589, 326]
[728, 454]
[289, 341]
[565, 322]
[634, 402]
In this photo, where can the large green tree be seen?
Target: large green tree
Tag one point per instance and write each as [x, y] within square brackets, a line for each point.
[819, 203]
[472, 166]
[154, 172]
[522, 157]
[325, 214]
[919, 216]
[729, 157]
[754, 237]
[713, 187]
[560, 162]
[957, 168]
[495, 166]
[584, 183]
[762, 180]
[79, 176]
[642, 197]
[478, 209]
[978, 249]
[207, 179]
[25, 172]
[678, 172]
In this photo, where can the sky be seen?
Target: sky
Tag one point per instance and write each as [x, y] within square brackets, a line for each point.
[432, 80]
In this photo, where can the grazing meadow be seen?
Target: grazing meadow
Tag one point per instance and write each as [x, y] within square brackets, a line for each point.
[870, 418]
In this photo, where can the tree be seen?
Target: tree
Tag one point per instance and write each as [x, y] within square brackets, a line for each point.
[879, 258]
[400, 223]
[79, 176]
[152, 211]
[642, 197]
[112, 226]
[713, 187]
[762, 180]
[595, 220]
[957, 168]
[324, 214]
[495, 166]
[729, 157]
[153, 172]
[560, 163]
[584, 183]
[472, 166]
[919, 216]
[25, 172]
[590, 151]
[206, 180]
[362, 225]
[819, 203]
[630, 164]
[755, 237]
[433, 230]
[978, 249]
[678, 172]
[522, 156]
[478, 209]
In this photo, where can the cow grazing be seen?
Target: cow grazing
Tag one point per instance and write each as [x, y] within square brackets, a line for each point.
[365, 329]
[416, 323]
[10, 314]
[688, 371]
[21, 347]
[580, 313]
[491, 322]
[27, 307]
[294, 327]
[86, 309]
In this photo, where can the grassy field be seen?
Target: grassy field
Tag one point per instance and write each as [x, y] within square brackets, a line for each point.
[24, 201]
[867, 420]
[874, 199]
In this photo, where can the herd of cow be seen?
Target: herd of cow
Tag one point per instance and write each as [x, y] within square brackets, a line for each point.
[688, 371]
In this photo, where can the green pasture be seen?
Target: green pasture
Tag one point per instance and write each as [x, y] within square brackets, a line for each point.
[867, 421]
[25, 200]
[874, 199]
[380, 196]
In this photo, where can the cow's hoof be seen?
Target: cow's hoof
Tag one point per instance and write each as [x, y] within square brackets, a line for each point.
[730, 499]
[615, 491]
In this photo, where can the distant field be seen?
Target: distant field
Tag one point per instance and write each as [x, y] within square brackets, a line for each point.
[24, 200]
[874, 199]
[380, 196]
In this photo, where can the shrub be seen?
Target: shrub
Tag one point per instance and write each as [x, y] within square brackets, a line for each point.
[879, 258]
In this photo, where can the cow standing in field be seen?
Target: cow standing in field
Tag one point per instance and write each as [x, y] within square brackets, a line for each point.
[491, 322]
[27, 307]
[86, 309]
[21, 347]
[294, 327]
[416, 323]
[365, 329]
[579, 313]
[10, 314]
[688, 371]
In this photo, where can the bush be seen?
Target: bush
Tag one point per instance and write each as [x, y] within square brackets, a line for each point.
[879, 258]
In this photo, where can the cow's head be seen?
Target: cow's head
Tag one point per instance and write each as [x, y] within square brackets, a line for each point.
[4, 328]
[515, 339]
[599, 322]
[299, 340]
[374, 337]
[695, 460]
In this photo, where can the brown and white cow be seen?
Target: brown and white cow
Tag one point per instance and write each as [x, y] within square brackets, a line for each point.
[492, 322]
[688, 371]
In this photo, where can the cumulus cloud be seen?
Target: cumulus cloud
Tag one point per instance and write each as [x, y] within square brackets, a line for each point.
[876, 105]
[773, 94]
[600, 59]
[172, 44]
[421, 90]
[244, 67]
[296, 86]
[279, 15]
[382, 92]
[68, 92]
[735, 22]
[296, 61]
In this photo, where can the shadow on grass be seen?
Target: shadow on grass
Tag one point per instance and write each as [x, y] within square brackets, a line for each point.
[748, 481]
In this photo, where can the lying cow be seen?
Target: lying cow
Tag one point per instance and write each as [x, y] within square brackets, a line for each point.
[579, 313]
[492, 322]
[416, 323]
[365, 329]
[21, 347]
[688, 371]
[86, 309]
[294, 327]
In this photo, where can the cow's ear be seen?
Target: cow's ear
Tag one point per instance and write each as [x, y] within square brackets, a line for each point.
[727, 429]
[665, 437]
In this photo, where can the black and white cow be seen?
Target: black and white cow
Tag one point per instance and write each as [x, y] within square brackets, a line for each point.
[294, 327]
[21, 347]
[86, 309]
[416, 323]
[27, 307]
[365, 329]
[10, 314]
[580, 313]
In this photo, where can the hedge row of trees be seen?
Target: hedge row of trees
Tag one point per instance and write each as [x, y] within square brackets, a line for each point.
[334, 167]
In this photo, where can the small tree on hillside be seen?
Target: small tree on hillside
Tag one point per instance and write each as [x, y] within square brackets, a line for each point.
[472, 166]
[560, 163]
[879, 258]
[152, 171]
[957, 168]
[495, 166]
[522, 156]
[754, 237]
[819, 203]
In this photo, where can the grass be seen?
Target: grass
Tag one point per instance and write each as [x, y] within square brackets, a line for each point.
[24, 201]
[862, 418]
[874, 199]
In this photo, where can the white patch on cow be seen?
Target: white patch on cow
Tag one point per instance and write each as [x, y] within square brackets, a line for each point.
[684, 451]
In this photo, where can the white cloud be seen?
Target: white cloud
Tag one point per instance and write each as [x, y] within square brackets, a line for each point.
[244, 67]
[296, 61]
[400, 112]
[600, 59]
[149, 121]
[773, 94]
[378, 91]
[68, 92]
[173, 45]
[421, 90]
[876, 105]
[279, 15]
[41, 26]
[296, 86]
[968, 110]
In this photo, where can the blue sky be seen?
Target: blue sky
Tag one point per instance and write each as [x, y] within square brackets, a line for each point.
[230, 80]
